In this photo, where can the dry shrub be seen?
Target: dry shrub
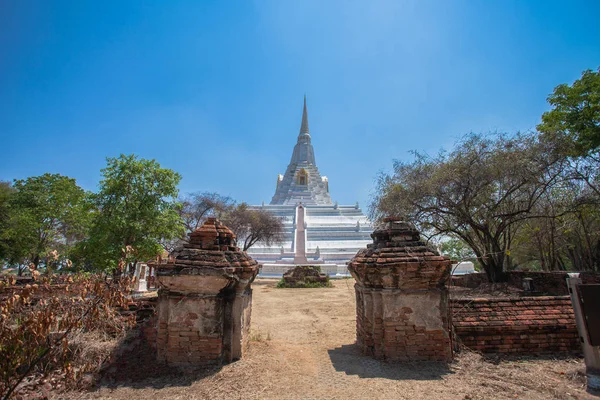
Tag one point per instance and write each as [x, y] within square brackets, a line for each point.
[57, 330]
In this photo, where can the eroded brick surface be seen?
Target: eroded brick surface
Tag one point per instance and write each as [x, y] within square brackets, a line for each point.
[305, 274]
[205, 300]
[401, 297]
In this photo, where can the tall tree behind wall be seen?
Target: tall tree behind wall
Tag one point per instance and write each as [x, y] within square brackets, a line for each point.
[137, 209]
[193, 210]
[479, 192]
[573, 127]
[252, 226]
[575, 114]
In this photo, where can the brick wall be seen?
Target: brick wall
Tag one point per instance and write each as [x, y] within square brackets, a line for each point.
[471, 281]
[525, 325]
[549, 283]
[590, 277]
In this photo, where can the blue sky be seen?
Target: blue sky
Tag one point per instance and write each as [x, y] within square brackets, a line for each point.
[213, 89]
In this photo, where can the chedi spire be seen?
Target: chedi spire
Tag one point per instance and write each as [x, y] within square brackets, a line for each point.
[304, 127]
[302, 182]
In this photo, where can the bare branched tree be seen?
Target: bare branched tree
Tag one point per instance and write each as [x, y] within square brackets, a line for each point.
[193, 209]
[479, 192]
[254, 225]
[196, 207]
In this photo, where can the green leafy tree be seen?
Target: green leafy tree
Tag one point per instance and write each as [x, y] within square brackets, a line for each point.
[6, 191]
[136, 210]
[576, 113]
[48, 214]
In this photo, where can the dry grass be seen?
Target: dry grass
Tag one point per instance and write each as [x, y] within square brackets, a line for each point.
[89, 350]
[311, 355]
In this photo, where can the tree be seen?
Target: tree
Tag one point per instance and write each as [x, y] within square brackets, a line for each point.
[576, 113]
[457, 250]
[6, 192]
[254, 225]
[569, 236]
[136, 210]
[193, 209]
[48, 214]
[540, 242]
[582, 237]
[196, 207]
[572, 127]
[479, 192]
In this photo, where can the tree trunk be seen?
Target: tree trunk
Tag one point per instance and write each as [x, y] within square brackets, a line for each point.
[495, 272]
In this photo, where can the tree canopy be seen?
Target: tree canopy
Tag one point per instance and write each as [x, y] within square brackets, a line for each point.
[524, 199]
[576, 113]
[6, 191]
[47, 213]
[136, 209]
[477, 192]
[252, 225]
[196, 207]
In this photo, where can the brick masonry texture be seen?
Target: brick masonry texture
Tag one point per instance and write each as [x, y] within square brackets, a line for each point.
[205, 300]
[305, 274]
[401, 298]
[550, 283]
[524, 325]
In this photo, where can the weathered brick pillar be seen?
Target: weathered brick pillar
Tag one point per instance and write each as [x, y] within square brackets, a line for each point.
[401, 296]
[205, 299]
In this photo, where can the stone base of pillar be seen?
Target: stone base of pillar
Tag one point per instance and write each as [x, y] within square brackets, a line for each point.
[203, 330]
[401, 297]
[205, 300]
[398, 325]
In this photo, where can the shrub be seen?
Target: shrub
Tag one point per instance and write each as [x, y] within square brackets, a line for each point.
[38, 322]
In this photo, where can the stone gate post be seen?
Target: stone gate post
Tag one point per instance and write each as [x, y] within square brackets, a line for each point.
[401, 296]
[205, 299]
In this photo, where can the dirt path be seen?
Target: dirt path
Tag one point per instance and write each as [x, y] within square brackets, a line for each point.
[303, 348]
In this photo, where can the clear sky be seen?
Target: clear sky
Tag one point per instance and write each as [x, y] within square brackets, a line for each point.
[213, 89]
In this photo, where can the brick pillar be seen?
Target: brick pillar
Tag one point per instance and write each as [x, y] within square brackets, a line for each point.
[205, 299]
[401, 296]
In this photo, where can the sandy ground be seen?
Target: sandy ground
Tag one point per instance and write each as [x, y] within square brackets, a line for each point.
[303, 348]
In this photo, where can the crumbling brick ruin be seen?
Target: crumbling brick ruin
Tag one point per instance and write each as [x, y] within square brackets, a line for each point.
[401, 297]
[305, 275]
[205, 299]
